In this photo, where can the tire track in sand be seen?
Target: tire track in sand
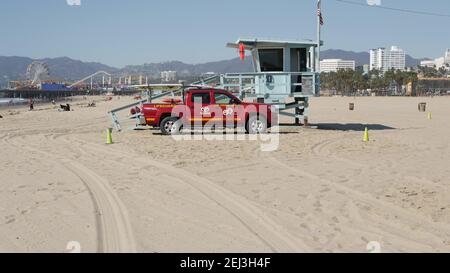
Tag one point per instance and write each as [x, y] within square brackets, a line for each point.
[259, 224]
[409, 216]
[114, 231]
[319, 148]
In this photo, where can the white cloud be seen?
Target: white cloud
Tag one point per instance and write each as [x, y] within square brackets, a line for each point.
[74, 2]
[374, 2]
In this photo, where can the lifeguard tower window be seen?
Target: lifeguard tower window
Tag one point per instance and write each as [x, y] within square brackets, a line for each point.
[201, 98]
[271, 60]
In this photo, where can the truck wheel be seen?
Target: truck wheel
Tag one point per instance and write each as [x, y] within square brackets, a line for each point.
[171, 126]
[256, 125]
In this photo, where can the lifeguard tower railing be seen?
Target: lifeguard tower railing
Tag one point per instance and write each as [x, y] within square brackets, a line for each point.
[273, 87]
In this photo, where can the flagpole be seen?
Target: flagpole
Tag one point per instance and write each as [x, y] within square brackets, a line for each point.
[319, 8]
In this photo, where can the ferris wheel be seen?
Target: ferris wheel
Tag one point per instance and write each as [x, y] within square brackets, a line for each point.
[37, 71]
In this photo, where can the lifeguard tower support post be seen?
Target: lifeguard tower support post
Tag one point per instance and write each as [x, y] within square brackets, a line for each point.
[286, 75]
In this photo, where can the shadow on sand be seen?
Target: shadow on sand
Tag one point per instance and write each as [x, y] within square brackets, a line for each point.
[221, 133]
[352, 127]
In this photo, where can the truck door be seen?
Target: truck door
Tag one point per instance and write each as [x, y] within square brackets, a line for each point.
[228, 106]
[200, 108]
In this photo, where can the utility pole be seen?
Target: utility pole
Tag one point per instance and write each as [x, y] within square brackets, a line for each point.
[319, 25]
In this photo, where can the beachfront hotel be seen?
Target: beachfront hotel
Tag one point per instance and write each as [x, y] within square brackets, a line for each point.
[386, 59]
[333, 65]
[439, 62]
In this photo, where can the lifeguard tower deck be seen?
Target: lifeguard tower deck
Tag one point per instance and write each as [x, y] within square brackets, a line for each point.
[285, 74]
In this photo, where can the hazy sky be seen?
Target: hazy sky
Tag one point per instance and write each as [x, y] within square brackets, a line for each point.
[120, 32]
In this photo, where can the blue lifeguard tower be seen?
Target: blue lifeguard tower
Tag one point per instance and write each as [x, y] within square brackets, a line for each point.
[286, 74]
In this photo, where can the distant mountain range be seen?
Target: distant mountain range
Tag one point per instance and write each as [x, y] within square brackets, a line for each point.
[226, 66]
[64, 68]
[15, 68]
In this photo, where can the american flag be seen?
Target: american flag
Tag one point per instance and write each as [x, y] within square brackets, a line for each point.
[319, 12]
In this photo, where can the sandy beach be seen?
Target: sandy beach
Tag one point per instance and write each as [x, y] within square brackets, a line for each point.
[322, 190]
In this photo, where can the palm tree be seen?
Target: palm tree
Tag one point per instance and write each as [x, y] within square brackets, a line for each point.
[377, 81]
[442, 72]
[400, 79]
[348, 82]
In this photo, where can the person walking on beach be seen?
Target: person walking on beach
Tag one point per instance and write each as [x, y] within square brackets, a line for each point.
[31, 104]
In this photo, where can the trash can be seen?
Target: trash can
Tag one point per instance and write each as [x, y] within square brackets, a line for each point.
[351, 106]
[422, 107]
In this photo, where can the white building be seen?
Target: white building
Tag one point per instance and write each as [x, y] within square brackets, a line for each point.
[209, 74]
[333, 65]
[439, 62]
[386, 59]
[366, 69]
[168, 76]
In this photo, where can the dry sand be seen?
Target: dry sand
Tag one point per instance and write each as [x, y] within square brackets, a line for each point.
[323, 190]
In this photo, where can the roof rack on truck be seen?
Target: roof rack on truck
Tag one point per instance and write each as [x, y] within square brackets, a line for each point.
[173, 90]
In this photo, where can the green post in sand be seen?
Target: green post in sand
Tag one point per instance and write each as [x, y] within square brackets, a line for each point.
[109, 136]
